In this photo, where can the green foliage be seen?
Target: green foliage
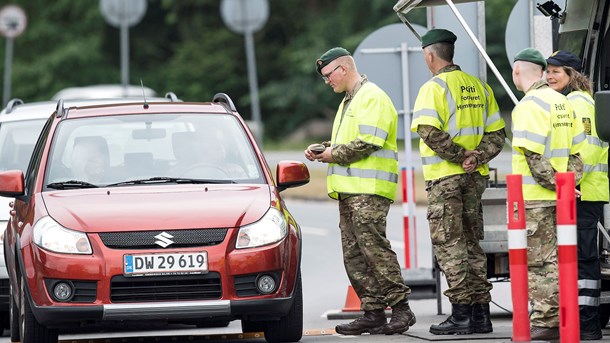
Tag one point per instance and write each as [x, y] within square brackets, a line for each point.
[184, 46]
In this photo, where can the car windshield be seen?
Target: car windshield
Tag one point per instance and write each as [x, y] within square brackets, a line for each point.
[17, 140]
[145, 149]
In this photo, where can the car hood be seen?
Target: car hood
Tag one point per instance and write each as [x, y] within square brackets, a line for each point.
[142, 208]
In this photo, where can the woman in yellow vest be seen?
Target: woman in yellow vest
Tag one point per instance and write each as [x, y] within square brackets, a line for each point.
[563, 75]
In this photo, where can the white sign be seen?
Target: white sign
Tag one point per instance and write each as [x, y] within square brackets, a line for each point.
[117, 11]
[244, 15]
[12, 21]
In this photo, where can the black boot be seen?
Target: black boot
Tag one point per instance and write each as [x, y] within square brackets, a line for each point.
[459, 322]
[481, 323]
[402, 318]
[372, 322]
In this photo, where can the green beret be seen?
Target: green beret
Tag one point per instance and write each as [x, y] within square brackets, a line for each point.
[330, 56]
[531, 55]
[437, 36]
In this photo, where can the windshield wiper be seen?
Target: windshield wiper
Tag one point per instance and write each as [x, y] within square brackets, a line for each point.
[165, 179]
[71, 184]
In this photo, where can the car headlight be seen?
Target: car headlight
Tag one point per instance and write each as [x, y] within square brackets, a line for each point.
[269, 229]
[49, 235]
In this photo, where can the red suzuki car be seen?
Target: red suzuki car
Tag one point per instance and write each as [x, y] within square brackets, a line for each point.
[149, 211]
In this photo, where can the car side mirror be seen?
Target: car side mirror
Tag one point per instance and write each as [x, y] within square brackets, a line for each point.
[291, 174]
[11, 183]
[602, 112]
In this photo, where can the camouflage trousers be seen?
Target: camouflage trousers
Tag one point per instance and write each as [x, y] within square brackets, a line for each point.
[543, 275]
[455, 217]
[370, 262]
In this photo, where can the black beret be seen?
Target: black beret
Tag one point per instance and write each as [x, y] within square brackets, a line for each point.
[437, 36]
[330, 56]
[564, 58]
[531, 55]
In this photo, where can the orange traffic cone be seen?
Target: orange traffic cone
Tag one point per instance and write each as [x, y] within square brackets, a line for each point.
[352, 302]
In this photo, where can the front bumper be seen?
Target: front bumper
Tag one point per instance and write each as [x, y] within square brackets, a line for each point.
[231, 309]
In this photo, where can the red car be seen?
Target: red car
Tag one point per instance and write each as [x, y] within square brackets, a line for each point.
[152, 211]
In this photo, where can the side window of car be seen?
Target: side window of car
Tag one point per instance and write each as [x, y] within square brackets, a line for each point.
[32, 170]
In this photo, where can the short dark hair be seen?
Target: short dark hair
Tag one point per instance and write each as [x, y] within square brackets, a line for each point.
[443, 51]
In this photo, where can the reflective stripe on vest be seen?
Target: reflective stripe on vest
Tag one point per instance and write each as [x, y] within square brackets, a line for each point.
[463, 114]
[371, 118]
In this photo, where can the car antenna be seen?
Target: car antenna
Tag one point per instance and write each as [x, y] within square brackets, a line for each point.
[144, 95]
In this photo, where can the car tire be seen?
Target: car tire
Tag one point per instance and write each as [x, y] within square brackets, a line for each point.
[14, 316]
[290, 327]
[30, 330]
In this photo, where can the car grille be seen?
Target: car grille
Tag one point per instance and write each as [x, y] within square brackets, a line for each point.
[165, 288]
[147, 239]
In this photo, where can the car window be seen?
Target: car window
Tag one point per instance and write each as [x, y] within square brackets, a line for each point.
[17, 139]
[113, 149]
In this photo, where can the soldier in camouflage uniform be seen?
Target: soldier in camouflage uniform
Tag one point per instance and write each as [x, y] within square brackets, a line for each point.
[461, 130]
[535, 121]
[362, 175]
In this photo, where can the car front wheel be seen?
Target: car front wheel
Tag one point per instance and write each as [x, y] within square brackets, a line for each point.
[30, 330]
[290, 327]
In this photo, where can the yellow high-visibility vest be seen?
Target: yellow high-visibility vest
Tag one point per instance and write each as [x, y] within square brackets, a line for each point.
[594, 184]
[461, 105]
[544, 122]
[371, 118]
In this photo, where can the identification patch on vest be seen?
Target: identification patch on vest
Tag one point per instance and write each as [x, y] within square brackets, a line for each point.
[586, 122]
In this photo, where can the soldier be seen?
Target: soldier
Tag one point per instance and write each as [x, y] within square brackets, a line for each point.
[461, 130]
[546, 140]
[563, 75]
[362, 159]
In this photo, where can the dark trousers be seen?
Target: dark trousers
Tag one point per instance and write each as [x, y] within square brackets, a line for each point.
[589, 213]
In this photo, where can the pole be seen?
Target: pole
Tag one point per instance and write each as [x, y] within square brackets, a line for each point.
[517, 256]
[569, 322]
[8, 62]
[406, 107]
[474, 39]
[124, 48]
[253, 81]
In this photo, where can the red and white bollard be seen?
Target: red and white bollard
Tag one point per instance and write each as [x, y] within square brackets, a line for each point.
[517, 255]
[567, 256]
[408, 209]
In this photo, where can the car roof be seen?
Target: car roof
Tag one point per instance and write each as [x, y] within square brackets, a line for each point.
[152, 107]
[17, 110]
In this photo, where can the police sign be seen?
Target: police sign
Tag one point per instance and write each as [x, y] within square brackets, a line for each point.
[12, 21]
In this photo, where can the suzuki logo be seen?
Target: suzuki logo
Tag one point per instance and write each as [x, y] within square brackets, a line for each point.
[164, 239]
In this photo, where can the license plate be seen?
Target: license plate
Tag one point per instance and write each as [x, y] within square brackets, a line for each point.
[166, 264]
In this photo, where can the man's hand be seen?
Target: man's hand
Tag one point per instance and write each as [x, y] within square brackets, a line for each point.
[325, 156]
[309, 155]
[471, 162]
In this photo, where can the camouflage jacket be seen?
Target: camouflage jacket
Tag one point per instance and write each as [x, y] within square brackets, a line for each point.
[442, 144]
